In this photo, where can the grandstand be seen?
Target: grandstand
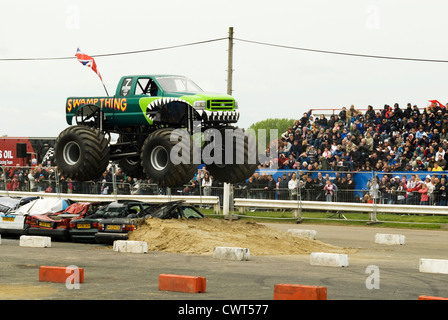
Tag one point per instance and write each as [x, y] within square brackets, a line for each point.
[384, 144]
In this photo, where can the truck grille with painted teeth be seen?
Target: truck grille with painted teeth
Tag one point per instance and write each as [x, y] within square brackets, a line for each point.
[220, 104]
[214, 116]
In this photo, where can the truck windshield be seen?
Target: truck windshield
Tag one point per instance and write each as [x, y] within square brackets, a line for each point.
[178, 84]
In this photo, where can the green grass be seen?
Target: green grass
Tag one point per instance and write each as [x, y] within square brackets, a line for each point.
[411, 221]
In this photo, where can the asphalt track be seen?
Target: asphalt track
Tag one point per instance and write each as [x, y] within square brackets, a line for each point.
[111, 275]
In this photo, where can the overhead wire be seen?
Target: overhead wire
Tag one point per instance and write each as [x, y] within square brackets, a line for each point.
[340, 53]
[116, 53]
[236, 39]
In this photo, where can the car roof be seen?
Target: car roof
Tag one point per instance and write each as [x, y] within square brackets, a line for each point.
[122, 203]
[162, 208]
[42, 205]
[164, 204]
[8, 201]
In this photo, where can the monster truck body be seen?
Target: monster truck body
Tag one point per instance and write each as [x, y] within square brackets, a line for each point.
[144, 112]
[139, 98]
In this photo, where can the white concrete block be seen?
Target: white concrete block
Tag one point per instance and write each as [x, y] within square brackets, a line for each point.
[328, 259]
[35, 241]
[433, 266]
[231, 253]
[311, 234]
[390, 239]
[131, 246]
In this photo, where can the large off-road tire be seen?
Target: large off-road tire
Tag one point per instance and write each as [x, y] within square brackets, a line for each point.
[157, 163]
[131, 166]
[240, 168]
[81, 153]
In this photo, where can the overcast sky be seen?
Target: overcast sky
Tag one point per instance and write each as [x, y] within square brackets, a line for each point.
[268, 82]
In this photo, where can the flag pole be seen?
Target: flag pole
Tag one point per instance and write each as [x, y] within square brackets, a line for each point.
[105, 88]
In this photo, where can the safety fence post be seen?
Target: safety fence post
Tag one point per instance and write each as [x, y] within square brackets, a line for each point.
[376, 199]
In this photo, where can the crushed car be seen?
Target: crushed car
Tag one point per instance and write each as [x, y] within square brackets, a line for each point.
[118, 228]
[85, 229]
[16, 221]
[174, 210]
[56, 225]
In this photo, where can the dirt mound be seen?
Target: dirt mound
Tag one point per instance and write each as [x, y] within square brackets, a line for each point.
[203, 235]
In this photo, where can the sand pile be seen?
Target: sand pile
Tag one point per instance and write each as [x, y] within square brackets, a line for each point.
[203, 235]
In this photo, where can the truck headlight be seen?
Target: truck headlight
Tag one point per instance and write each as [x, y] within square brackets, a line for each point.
[236, 105]
[199, 105]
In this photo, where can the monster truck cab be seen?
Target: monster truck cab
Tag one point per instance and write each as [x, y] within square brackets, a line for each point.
[139, 100]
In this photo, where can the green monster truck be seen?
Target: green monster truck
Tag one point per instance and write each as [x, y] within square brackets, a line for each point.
[145, 112]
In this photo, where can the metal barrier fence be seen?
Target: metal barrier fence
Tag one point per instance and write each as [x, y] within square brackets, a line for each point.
[307, 195]
[356, 196]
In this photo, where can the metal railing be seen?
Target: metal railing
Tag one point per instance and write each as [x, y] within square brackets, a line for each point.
[266, 196]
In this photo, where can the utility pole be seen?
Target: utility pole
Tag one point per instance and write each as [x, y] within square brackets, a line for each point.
[230, 63]
[228, 187]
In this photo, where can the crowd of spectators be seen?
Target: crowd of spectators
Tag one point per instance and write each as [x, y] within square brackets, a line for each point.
[18, 178]
[391, 139]
[388, 140]
[41, 178]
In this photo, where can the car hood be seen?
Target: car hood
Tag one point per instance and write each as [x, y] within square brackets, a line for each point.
[41, 206]
[7, 203]
[76, 208]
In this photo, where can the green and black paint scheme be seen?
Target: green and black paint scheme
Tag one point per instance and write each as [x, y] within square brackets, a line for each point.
[143, 112]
